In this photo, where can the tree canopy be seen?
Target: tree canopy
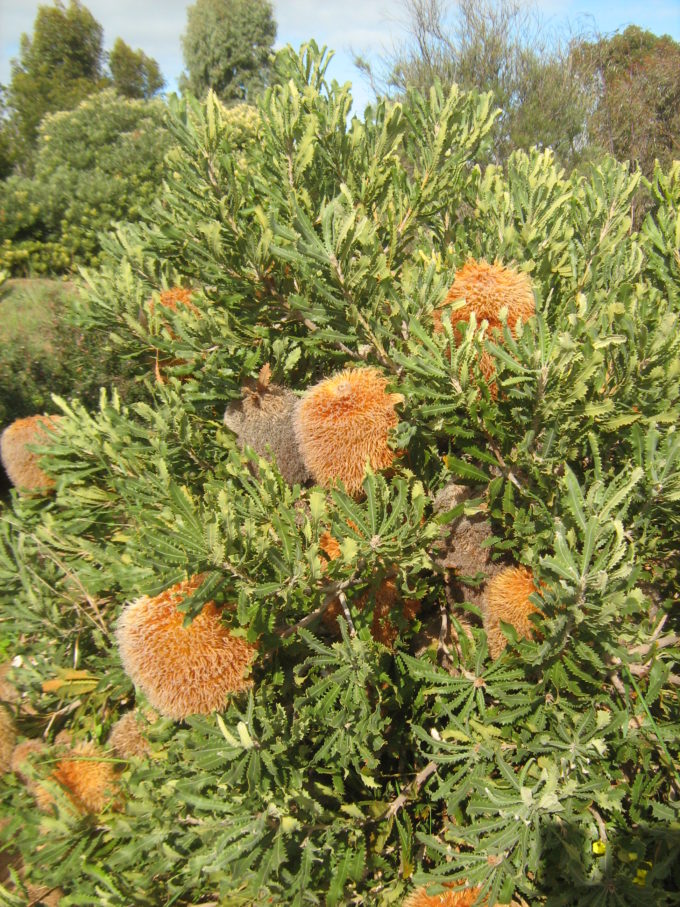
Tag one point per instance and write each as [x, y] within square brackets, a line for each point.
[491, 45]
[227, 46]
[134, 74]
[637, 116]
[58, 66]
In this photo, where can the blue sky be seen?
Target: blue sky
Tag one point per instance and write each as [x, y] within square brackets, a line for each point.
[365, 26]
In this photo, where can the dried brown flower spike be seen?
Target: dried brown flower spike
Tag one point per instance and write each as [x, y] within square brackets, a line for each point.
[21, 464]
[506, 599]
[8, 736]
[264, 420]
[343, 423]
[127, 737]
[182, 670]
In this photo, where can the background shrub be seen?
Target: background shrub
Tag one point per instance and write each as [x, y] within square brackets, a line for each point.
[97, 164]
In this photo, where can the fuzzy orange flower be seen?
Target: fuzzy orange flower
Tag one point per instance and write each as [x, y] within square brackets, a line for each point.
[343, 423]
[21, 464]
[170, 299]
[506, 599]
[182, 670]
[89, 780]
[453, 897]
[486, 289]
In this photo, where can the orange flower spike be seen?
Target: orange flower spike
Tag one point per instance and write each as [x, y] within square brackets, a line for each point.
[170, 298]
[89, 781]
[330, 546]
[21, 464]
[182, 670]
[454, 897]
[486, 289]
[342, 423]
[506, 599]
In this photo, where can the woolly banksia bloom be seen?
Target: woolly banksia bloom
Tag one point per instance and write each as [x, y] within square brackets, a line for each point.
[182, 670]
[452, 897]
[171, 299]
[24, 758]
[21, 464]
[506, 599]
[264, 420]
[343, 423]
[88, 779]
[486, 289]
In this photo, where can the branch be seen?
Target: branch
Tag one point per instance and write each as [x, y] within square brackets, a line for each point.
[410, 791]
[335, 590]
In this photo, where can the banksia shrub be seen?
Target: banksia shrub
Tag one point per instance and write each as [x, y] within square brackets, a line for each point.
[343, 423]
[182, 670]
[21, 464]
[264, 420]
[351, 767]
[506, 599]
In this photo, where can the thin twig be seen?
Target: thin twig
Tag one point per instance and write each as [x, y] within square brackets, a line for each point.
[410, 791]
[334, 591]
[342, 598]
[600, 823]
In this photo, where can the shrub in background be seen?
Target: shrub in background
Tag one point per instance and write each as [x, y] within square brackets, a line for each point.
[95, 165]
[353, 771]
[44, 352]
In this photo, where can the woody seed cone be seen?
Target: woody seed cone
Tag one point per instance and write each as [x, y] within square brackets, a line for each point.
[264, 420]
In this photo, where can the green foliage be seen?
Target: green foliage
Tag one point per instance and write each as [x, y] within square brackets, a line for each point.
[637, 75]
[352, 771]
[95, 165]
[227, 46]
[134, 74]
[59, 65]
[42, 352]
[498, 46]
